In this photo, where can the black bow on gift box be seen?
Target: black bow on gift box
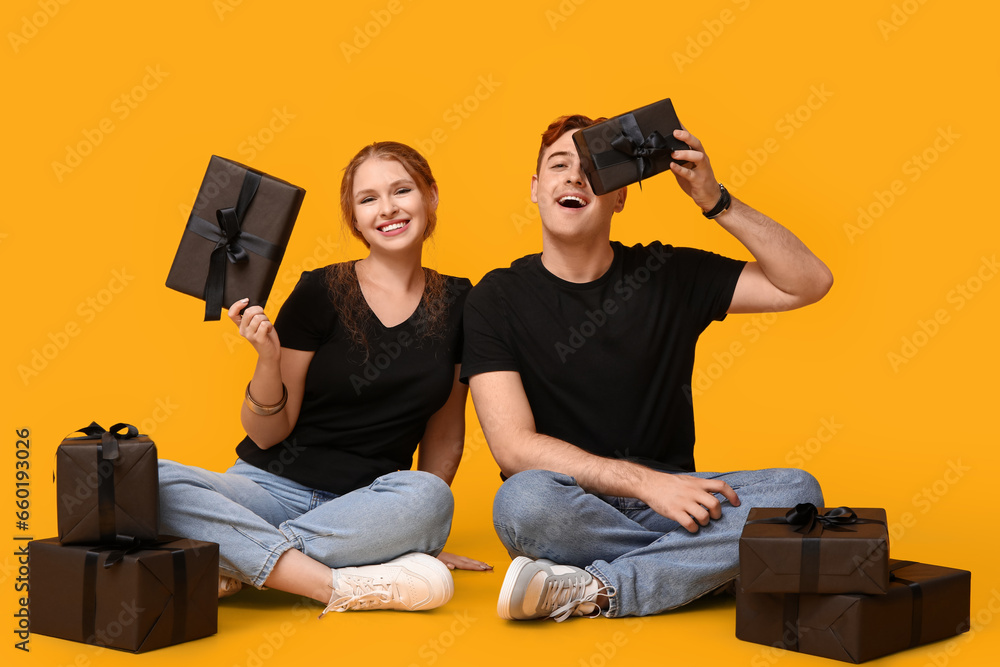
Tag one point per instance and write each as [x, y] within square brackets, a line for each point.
[103, 469]
[630, 145]
[807, 520]
[230, 242]
[806, 516]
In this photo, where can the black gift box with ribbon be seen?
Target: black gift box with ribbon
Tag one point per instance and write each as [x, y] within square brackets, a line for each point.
[924, 603]
[235, 236]
[807, 549]
[132, 598]
[107, 486]
[630, 147]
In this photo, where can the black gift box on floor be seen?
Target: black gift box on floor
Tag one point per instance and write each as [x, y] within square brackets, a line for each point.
[924, 603]
[235, 237]
[814, 550]
[107, 487]
[630, 147]
[133, 599]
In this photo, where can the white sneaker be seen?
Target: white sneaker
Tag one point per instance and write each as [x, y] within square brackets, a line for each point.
[411, 582]
[540, 588]
[228, 586]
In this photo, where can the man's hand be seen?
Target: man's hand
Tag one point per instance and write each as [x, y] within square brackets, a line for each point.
[697, 178]
[685, 499]
[509, 426]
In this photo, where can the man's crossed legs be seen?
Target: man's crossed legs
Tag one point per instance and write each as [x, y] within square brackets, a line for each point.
[578, 553]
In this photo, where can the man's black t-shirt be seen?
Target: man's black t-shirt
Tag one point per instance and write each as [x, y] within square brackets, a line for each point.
[361, 417]
[604, 364]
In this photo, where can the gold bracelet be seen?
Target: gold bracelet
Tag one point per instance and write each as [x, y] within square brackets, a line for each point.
[266, 410]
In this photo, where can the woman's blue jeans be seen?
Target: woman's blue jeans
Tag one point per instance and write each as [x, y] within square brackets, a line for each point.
[653, 562]
[256, 516]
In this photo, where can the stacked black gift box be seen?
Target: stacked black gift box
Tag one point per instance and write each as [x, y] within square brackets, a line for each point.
[821, 582]
[110, 579]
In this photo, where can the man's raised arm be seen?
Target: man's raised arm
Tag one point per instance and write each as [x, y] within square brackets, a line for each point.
[786, 274]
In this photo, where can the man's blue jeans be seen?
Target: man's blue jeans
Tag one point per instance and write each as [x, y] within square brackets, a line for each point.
[653, 562]
[256, 516]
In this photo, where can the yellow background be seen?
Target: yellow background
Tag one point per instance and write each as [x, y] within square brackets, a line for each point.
[809, 111]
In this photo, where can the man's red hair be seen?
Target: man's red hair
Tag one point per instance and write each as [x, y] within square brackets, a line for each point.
[559, 127]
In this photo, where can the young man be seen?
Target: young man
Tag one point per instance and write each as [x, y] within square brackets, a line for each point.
[580, 362]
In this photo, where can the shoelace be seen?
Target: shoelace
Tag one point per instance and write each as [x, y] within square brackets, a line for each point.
[566, 595]
[361, 593]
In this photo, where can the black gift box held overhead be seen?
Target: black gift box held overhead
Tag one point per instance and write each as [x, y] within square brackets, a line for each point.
[129, 598]
[107, 486]
[924, 603]
[807, 549]
[235, 237]
[630, 147]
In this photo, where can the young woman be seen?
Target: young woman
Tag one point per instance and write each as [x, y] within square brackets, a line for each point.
[358, 369]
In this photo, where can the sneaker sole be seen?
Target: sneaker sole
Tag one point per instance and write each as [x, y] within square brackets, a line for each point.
[507, 590]
[432, 569]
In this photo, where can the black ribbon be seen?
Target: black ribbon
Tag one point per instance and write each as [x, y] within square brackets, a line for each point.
[106, 519]
[917, 608]
[231, 243]
[109, 438]
[180, 596]
[115, 556]
[790, 613]
[806, 517]
[88, 618]
[808, 520]
[630, 145]
[790, 632]
[107, 453]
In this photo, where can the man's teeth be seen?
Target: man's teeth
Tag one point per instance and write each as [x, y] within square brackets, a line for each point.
[394, 226]
[570, 201]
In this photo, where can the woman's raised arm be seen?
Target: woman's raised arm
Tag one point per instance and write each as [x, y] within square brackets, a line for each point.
[274, 396]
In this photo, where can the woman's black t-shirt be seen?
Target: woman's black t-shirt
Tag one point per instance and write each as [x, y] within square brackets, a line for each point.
[364, 411]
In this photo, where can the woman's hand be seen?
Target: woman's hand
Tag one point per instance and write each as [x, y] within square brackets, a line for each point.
[462, 562]
[256, 328]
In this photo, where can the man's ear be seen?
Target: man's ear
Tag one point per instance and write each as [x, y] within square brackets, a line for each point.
[534, 188]
[620, 201]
